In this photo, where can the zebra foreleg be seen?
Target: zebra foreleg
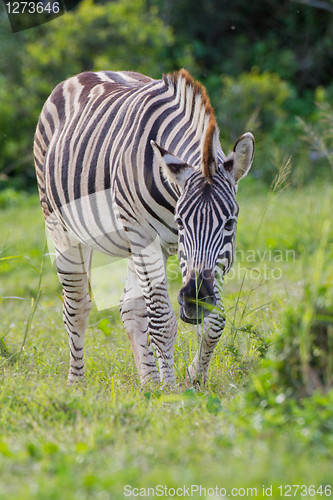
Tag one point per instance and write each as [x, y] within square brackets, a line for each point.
[209, 333]
[76, 306]
[163, 331]
[134, 315]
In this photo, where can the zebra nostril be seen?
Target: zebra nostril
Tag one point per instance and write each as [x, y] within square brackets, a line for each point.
[181, 298]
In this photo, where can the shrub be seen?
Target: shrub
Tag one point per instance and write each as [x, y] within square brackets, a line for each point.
[122, 35]
[318, 134]
[253, 98]
[256, 102]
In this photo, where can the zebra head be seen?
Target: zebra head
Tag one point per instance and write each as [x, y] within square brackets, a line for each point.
[206, 216]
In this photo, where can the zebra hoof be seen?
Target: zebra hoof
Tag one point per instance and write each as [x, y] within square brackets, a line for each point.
[169, 384]
[194, 377]
[76, 381]
[150, 380]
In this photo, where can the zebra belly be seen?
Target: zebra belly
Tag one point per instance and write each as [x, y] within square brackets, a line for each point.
[92, 220]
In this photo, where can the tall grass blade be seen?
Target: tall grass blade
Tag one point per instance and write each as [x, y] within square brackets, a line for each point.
[35, 301]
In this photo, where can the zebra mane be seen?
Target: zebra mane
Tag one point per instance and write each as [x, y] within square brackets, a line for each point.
[191, 90]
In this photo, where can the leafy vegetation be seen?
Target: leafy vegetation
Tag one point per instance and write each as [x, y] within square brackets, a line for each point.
[256, 422]
[264, 69]
[94, 37]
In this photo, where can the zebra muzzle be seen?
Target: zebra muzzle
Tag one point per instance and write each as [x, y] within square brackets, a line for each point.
[197, 298]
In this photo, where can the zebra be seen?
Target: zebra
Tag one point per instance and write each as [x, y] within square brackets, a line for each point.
[132, 166]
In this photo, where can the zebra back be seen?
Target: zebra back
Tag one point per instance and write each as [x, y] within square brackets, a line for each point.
[94, 136]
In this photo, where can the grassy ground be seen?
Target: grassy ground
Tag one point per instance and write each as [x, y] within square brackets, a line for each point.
[61, 443]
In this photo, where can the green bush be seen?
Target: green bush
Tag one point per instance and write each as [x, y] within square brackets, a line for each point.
[10, 197]
[151, 37]
[254, 99]
[122, 35]
[256, 102]
[317, 135]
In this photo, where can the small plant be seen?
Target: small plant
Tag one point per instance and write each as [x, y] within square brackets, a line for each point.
[304, 349]
[320, 134]
[4, 351]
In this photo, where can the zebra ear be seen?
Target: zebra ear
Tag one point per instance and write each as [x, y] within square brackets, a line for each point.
[173, 168]
[239, 162]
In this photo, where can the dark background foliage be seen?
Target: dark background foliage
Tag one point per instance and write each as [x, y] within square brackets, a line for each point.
[267, 66]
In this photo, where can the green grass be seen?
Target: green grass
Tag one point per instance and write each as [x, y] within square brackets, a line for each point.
[243, 430]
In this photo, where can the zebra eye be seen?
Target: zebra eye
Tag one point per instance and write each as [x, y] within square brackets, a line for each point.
[180, 224]
[230, 224]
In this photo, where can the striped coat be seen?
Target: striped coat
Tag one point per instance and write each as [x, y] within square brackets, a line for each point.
[132, 167]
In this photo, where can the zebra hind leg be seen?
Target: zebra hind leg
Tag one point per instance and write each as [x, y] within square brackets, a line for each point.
[73, 268]
[134, 315]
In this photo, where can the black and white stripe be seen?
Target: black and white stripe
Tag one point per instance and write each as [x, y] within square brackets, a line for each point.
[119, 156]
